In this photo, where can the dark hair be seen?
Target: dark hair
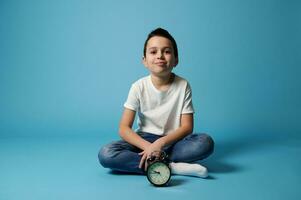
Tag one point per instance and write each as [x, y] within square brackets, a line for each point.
[163, 33]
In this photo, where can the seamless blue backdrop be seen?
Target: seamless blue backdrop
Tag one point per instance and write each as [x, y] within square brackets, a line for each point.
[66, 66]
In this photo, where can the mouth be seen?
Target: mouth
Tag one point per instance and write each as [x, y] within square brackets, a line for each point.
[161, 63]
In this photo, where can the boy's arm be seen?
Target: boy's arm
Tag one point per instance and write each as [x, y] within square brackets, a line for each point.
[186, 127]
[126, 132]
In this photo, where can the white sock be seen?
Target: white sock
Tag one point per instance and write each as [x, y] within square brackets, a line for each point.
[188, 169]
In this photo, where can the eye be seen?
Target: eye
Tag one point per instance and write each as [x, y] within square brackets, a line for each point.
[152, 52]
[167, 51]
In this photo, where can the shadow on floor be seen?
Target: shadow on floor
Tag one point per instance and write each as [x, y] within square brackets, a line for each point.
[174, 181]
[116, 172]
[242, 144]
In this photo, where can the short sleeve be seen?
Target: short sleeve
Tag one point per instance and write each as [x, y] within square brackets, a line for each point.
[132, 101]
[188, 106]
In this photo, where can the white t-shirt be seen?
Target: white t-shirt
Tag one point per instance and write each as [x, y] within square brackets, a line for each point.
[159, 112]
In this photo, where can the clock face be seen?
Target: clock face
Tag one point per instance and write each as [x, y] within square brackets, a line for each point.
[158, 173]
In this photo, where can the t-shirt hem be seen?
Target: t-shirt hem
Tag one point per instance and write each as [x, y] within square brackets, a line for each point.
[149, 131]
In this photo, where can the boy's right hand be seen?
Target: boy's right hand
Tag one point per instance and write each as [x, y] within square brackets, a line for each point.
[155, 146]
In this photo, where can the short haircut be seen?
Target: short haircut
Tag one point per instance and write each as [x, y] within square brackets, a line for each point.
[163, 33]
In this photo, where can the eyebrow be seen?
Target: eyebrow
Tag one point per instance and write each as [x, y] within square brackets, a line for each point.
[167, 47]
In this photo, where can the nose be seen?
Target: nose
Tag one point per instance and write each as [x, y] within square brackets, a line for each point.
[160, 55]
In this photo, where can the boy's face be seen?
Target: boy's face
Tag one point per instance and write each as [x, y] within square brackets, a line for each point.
[159, 57]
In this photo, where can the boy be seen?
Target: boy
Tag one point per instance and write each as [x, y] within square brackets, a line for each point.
[163, 102]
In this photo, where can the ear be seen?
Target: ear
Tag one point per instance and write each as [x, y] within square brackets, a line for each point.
[176, 62]
[143, 61]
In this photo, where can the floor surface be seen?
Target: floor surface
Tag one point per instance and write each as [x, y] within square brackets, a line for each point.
[242, 167]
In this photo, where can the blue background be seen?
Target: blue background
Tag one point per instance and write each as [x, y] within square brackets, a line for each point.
[66, 68]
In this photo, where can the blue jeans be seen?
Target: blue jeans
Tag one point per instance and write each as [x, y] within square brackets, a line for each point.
[122, 156]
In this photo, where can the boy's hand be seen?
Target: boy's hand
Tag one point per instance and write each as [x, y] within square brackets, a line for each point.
[155, 146]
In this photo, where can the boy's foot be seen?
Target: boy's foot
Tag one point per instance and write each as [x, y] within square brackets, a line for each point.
[188, 169]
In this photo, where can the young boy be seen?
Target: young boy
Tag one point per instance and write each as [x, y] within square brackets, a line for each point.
[163, 102]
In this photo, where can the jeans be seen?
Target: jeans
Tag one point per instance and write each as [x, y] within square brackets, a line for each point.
[122, 156]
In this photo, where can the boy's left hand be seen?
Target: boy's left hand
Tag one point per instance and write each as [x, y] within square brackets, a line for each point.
[155, 146]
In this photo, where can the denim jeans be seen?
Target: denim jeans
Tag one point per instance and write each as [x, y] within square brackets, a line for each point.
[122, 156]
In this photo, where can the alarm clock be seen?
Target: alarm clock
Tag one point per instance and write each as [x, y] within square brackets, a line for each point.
[158, 171]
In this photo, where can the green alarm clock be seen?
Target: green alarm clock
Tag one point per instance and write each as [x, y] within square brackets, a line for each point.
[158, 171]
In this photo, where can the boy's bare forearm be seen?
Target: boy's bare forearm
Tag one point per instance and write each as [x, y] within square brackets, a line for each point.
[130, 136]
[176, 135]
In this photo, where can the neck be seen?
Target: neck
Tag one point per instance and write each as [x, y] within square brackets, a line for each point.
[162, 81]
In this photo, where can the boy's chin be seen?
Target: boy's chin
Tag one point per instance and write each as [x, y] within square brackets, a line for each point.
[163, 70]
[161, 74]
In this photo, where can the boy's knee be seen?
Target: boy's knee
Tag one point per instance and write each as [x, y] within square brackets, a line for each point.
[207, 143]
[210, 142]
[105, 156]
